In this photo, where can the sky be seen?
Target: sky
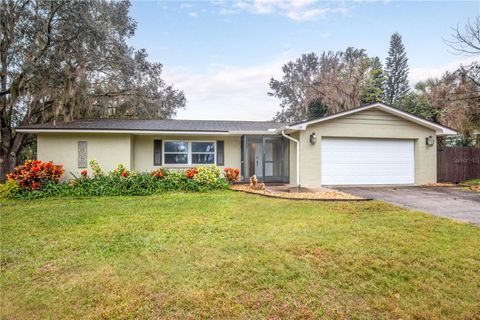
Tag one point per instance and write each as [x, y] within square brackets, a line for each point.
[223, 53]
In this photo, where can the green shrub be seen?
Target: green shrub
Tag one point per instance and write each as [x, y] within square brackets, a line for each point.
[130, 184]
[120, 170]
[8, 190]
[207, 175]
[96, 169]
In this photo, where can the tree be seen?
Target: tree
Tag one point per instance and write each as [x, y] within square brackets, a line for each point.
[336, 79]
[373, 92]
[415, 104]
[294, 88]
[396, 70]
[316, 110]
[467, 40]
[64, 60]
[342, 79]
[453, 100]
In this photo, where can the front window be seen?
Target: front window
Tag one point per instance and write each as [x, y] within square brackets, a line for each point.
[176, 152]
[203, 152]
[189, 152]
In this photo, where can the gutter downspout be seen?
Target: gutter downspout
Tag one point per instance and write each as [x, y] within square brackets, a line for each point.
[298, 155]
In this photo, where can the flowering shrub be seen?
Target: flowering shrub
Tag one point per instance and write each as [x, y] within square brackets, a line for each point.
[8, 189]
[122, 182]
[121, 171]
[159, 173]
[231, 174]
[96, 169]
[207, 175]
[191, 173]
[33, 173]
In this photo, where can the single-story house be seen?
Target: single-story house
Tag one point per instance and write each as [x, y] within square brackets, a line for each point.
[373, 144]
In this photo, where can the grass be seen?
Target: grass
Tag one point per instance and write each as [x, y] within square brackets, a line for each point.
[233, 255]
[473, 182]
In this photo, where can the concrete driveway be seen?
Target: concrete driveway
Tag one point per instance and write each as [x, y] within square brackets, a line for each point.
[455, 203]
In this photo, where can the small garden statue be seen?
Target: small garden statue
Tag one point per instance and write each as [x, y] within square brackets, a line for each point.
[255, 185]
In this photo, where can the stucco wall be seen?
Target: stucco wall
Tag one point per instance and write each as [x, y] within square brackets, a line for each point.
[371, 123]
[134, 151]
[62, 148]
[143, 149]
[293, 158]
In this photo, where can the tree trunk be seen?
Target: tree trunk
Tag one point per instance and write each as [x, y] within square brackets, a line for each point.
[9, 155]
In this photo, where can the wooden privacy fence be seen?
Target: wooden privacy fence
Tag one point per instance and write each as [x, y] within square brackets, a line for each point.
[457, 164]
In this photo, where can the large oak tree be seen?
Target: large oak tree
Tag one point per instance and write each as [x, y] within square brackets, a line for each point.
[62, 60]
[333, 82]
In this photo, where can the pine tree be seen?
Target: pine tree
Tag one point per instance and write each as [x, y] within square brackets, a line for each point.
[396, 69]
[374, 90]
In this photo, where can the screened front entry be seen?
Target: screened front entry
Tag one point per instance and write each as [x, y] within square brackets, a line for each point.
[266, 157]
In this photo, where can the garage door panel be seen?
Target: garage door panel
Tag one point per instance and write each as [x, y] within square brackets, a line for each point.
[367, 161]
[369, 180]
[342, 170]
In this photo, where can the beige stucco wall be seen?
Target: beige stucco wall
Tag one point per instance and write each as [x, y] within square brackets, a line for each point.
[143, 149]
[107, 149]
[371, 123]
[293, 158]
[134, 151]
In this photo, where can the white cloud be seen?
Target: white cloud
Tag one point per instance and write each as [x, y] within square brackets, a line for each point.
[186, 5]
[226, 92]
[296, 10]
[419, 74]
[193, 14]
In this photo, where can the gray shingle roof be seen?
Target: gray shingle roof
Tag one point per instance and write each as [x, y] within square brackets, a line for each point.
[161, 125]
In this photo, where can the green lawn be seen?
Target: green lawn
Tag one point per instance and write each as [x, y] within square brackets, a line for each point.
[233, 255]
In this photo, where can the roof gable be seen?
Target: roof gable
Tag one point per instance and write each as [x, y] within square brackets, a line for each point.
[440, 130]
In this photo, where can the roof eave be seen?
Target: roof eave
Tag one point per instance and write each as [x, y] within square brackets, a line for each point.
[140, 132]
[164, 132]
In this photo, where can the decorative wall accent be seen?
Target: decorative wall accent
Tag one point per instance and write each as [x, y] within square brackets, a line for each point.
[82, 154]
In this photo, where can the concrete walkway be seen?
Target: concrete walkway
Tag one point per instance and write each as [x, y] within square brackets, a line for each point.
[451, 202]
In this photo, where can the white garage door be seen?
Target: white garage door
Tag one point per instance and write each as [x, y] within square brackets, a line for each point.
[367, 161]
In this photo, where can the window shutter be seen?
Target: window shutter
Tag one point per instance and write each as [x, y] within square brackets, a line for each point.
[157, 152]
[220, 153]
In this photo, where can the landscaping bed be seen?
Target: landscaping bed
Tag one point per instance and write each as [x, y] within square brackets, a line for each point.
[473, 185]
[36, 179]
[301, 194]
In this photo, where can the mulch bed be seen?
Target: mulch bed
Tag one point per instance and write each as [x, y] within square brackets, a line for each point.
[332, 195]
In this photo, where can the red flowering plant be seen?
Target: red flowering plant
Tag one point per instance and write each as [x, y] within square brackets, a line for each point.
[84, 174]
[34, 173]
[190, 173]
[159, 173]
[121, 171]
[231, 174]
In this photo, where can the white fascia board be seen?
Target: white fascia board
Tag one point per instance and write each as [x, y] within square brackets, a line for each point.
[440, 130]
[275, 132]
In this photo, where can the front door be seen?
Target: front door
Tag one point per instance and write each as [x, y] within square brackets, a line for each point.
[266, 157]
[255, 158]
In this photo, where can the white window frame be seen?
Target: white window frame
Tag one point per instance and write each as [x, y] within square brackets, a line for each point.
[189, 154]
